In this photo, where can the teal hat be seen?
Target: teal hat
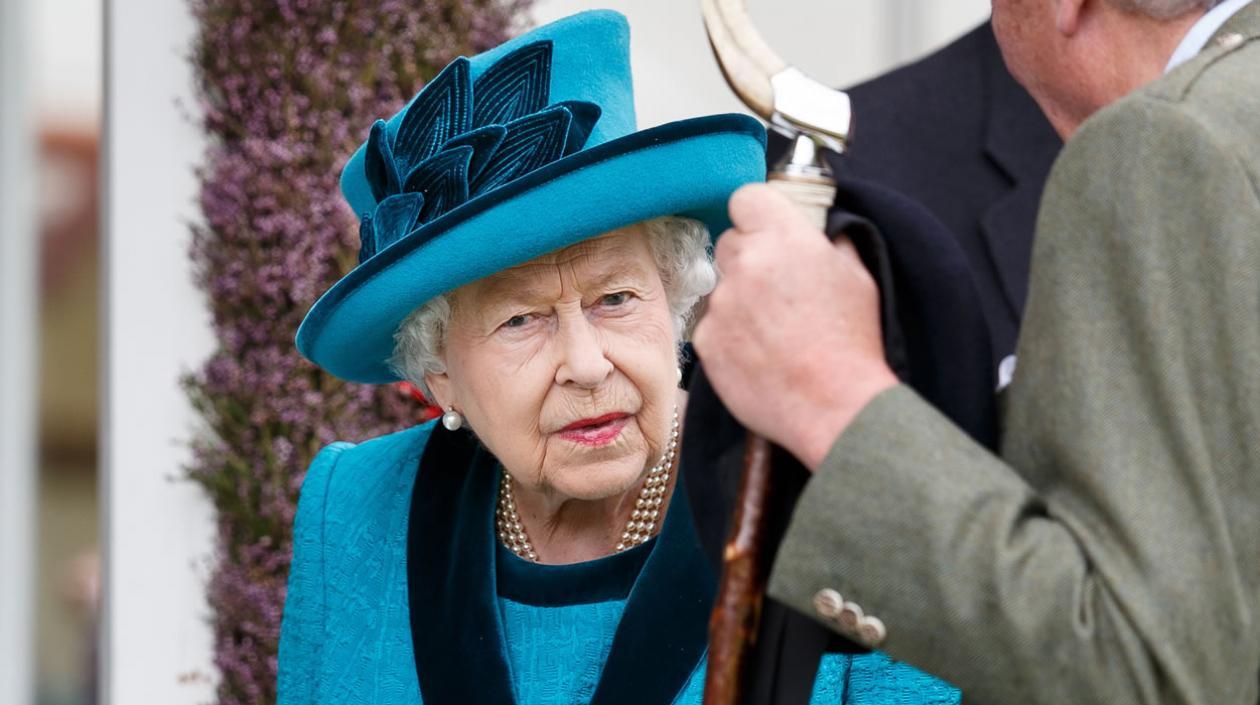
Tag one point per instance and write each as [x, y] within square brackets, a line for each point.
[506, 156]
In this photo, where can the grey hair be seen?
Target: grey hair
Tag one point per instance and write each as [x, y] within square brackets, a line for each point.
[1164, 9]
[680, 246]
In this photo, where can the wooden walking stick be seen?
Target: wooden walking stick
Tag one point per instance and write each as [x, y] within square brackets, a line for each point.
[814, 117]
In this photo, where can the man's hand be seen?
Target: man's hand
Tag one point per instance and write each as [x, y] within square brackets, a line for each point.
[791, 337]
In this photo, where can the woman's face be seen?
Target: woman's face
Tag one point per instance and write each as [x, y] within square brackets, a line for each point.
[565, 366]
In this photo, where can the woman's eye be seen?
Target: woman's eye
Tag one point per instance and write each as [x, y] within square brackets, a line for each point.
[516, 321]
[616, 299]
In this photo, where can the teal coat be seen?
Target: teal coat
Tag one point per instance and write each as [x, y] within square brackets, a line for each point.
[362, 557]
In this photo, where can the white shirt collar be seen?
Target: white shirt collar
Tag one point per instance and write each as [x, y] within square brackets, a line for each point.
[1201, 33]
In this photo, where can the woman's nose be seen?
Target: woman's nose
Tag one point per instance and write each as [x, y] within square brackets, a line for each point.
[582, 358]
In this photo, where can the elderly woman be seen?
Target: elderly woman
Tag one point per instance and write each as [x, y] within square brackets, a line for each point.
[533, 263]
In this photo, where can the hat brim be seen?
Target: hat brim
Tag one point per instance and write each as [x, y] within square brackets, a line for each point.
[687, 168]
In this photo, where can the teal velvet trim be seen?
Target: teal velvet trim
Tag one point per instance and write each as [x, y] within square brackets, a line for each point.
[456, 633]
[585, 57]
[514, 86]
[459, 638]
[443, 179]
[459, 140]
[541, 585]
[441, 111]
[664, 631]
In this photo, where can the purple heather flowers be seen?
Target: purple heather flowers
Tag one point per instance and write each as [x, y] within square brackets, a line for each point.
[287, 90]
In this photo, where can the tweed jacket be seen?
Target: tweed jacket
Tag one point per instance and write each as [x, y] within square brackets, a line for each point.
[1110, 553]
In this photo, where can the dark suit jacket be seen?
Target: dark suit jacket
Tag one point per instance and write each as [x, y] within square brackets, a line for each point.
[957, 134]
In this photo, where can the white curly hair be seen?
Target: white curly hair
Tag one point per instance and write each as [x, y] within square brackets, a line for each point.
[684, 257]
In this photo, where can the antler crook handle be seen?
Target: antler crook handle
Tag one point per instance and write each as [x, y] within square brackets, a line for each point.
[813, 116]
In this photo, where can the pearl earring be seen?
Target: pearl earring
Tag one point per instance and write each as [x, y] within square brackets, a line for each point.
[680, 375]
[451, 420]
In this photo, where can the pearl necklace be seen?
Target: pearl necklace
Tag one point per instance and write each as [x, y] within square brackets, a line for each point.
[639, 528]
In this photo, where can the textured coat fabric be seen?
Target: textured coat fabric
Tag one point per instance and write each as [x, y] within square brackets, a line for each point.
[345, 635]
[454, 580]
[1109, 553]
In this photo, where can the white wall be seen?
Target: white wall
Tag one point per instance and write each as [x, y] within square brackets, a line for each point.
[159, 530]
[158, 527]
[67, 51]
[944, 20]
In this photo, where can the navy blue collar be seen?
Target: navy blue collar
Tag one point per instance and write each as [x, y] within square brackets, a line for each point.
[541, 585]
[452, 581]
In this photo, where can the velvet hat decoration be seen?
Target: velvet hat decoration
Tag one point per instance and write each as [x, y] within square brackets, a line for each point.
[506, 156]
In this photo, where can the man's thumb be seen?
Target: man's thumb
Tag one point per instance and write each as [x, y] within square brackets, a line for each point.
[760, 206]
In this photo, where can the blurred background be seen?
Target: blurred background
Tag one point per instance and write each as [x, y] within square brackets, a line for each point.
[57, 286]
[52, 99]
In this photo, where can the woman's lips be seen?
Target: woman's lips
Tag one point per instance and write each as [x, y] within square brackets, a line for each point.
[598, 431]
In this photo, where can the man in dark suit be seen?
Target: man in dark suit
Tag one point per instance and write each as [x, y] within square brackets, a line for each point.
[955, 133]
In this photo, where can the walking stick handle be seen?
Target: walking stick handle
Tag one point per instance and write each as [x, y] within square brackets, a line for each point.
[814, 116]
[812, 194]
[737, 610]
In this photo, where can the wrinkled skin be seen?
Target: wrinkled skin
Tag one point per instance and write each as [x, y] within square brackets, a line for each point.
[1077, 56]
[571, 335]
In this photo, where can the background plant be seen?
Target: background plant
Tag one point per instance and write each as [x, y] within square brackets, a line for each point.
[287, 89]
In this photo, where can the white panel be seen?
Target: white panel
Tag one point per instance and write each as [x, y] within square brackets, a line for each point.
[915, 28]
[946, 20]
[903, 26]
[158, 527]
[18, 265]
[67, 51]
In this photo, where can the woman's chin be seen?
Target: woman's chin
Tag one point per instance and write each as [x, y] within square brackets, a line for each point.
[600, 480]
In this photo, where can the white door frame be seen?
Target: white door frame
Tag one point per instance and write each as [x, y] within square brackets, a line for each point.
[157, 526]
